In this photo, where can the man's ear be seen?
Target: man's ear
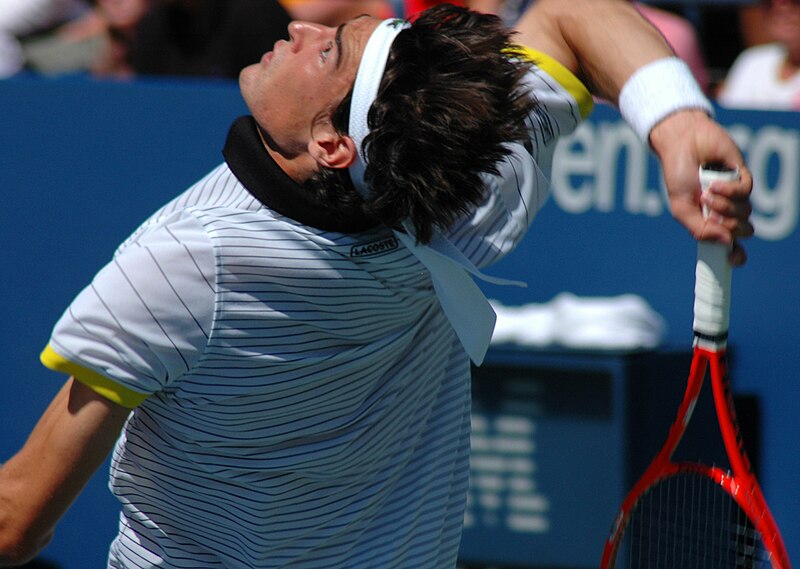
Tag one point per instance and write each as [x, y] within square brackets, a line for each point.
[330, 148]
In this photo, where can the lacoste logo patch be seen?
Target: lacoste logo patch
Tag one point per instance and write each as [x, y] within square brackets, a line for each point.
[374, 248]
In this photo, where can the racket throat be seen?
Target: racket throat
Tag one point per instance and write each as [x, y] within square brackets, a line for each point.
[713, 343]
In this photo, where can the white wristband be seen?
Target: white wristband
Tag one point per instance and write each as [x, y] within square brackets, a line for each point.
[657, 90]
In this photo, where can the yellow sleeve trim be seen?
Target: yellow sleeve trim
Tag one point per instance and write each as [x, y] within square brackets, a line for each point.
[564, 76]
[98, 383]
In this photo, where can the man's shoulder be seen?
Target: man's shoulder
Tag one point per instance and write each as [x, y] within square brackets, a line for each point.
[759, 55]
[552, 83]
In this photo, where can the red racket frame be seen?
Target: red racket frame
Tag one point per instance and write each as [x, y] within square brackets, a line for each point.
[740, 483]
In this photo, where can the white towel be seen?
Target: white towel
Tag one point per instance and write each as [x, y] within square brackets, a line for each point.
[601, 323]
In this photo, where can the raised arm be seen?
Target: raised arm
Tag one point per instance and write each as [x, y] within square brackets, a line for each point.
[607, 43]
[601, 41]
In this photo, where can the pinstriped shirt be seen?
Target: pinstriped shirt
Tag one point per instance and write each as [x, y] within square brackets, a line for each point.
[299, 398]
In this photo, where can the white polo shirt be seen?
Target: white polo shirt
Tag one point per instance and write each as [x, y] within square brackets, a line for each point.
[300, 400]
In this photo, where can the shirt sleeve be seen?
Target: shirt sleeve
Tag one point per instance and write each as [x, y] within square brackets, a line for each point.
[145, 319]
[521, 185]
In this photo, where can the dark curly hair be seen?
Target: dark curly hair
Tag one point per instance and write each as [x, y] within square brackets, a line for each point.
[449, 101]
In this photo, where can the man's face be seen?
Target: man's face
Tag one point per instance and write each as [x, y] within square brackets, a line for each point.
[123, 14]
[301, 81]
[784, 22]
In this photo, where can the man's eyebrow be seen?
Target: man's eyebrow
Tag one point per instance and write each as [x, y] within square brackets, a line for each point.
[338, 41]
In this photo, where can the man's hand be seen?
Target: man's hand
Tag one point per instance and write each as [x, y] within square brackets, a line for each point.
[685, 140]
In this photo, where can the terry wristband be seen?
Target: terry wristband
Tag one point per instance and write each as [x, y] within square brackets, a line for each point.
[657, 90]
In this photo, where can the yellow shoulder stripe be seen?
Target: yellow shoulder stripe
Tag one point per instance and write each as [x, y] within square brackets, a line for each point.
[564, 76]
[96, 382]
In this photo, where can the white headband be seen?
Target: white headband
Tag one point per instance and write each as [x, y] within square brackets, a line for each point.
[365, 90]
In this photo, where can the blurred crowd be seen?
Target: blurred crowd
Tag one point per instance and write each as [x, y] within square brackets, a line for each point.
[125, 38]
[216, 38]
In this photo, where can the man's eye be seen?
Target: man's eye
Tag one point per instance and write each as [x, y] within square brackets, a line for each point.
[326, 52]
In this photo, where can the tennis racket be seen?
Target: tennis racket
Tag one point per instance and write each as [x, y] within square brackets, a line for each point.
[689, 515]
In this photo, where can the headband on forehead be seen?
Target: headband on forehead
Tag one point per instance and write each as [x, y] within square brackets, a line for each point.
[365, 89]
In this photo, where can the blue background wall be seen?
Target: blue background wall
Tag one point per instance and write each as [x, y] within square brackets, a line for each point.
[82, 163]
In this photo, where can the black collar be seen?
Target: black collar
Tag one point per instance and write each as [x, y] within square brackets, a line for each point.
[262, 177]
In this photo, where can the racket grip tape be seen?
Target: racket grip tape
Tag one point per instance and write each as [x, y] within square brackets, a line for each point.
[712, 288]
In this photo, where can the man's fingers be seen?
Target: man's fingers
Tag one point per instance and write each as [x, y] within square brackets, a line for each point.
[738, 256]
[721, 227]
[727, 205]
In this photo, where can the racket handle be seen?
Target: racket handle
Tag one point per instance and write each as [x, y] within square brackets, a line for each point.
[712, 289]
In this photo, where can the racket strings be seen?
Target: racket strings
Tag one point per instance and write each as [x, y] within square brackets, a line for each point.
[690, 522]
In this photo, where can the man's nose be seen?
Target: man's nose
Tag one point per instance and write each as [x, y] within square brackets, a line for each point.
[300, 31]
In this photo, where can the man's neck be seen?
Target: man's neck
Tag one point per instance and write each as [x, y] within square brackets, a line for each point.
[299, 167]
[790, 67]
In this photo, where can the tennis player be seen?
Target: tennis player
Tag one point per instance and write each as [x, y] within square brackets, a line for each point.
[279, 357]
